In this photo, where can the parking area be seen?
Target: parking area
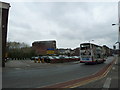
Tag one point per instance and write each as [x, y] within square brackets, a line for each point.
[16, 64]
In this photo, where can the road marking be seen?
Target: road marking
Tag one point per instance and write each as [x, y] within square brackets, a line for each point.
[116, 62]
[82, 83]
[27, 65]
[107, 83]
[92, 79]
[113, 68]
[17, 68]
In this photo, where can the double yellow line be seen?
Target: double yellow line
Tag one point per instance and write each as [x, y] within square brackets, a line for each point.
[91, 79]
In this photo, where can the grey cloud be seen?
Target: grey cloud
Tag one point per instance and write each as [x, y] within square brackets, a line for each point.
[68, 21]
[23, 25]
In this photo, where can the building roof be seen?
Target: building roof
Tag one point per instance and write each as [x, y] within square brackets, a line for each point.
[44, 41]
[4, 5]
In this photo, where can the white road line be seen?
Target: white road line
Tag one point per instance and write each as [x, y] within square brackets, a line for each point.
[17, 68]
[27, 65]
[107, 83]
[113, 68]
[116, 60]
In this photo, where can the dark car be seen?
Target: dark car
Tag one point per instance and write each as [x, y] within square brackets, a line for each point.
[34, 58]
[47, 59]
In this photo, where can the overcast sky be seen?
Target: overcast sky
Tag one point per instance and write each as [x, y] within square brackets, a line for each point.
[69, 23]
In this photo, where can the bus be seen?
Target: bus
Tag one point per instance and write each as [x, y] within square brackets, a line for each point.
[91, 53]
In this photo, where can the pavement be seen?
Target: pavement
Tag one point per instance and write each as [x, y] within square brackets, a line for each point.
[21, 64]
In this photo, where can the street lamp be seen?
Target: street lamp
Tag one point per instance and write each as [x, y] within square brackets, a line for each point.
[119, 27]
[116, 42]
[113, 24]
[118, 38]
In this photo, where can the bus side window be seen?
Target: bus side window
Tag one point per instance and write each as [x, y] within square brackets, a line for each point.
[98, 55]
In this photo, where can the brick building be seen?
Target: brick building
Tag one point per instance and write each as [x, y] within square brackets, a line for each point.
[44, 47]
[76, 52]
[106, 50]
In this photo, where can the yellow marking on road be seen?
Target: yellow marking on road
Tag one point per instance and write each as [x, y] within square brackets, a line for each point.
[91, 79]
[88, 80]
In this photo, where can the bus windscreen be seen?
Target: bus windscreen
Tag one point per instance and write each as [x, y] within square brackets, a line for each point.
[84, 47]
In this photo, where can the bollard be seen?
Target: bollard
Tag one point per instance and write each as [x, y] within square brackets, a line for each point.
[35, 60]
[42, 60]
[39, 60]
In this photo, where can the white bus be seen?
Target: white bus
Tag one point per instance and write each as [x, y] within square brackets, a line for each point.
[91, 53]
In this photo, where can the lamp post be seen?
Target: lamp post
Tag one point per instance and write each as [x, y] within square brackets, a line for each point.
[119, 28]
[118, 38]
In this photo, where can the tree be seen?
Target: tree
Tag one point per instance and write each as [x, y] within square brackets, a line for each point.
[17, 50]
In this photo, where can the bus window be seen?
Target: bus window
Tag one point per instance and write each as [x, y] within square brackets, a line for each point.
[85, 47]
[86, 52]
[98, 55]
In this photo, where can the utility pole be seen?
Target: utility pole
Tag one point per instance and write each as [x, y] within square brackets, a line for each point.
[119, 27]
[4, 9]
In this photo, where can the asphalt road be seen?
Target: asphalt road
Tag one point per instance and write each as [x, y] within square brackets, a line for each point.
[47, 75]
[109, 81]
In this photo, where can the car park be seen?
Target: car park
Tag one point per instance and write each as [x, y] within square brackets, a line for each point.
[56, 59]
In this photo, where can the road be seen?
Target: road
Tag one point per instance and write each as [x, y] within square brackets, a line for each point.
[48, 74]
[109, 81]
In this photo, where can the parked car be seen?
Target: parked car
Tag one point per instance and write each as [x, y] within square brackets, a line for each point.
[6, 59]
[48, 59]
[76, 58]
[34, 58]
[57, 59]
[66, 59]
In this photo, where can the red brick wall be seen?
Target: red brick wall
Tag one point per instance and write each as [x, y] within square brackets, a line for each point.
[42, 46]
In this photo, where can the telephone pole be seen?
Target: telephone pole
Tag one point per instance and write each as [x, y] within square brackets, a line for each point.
[119, 27]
